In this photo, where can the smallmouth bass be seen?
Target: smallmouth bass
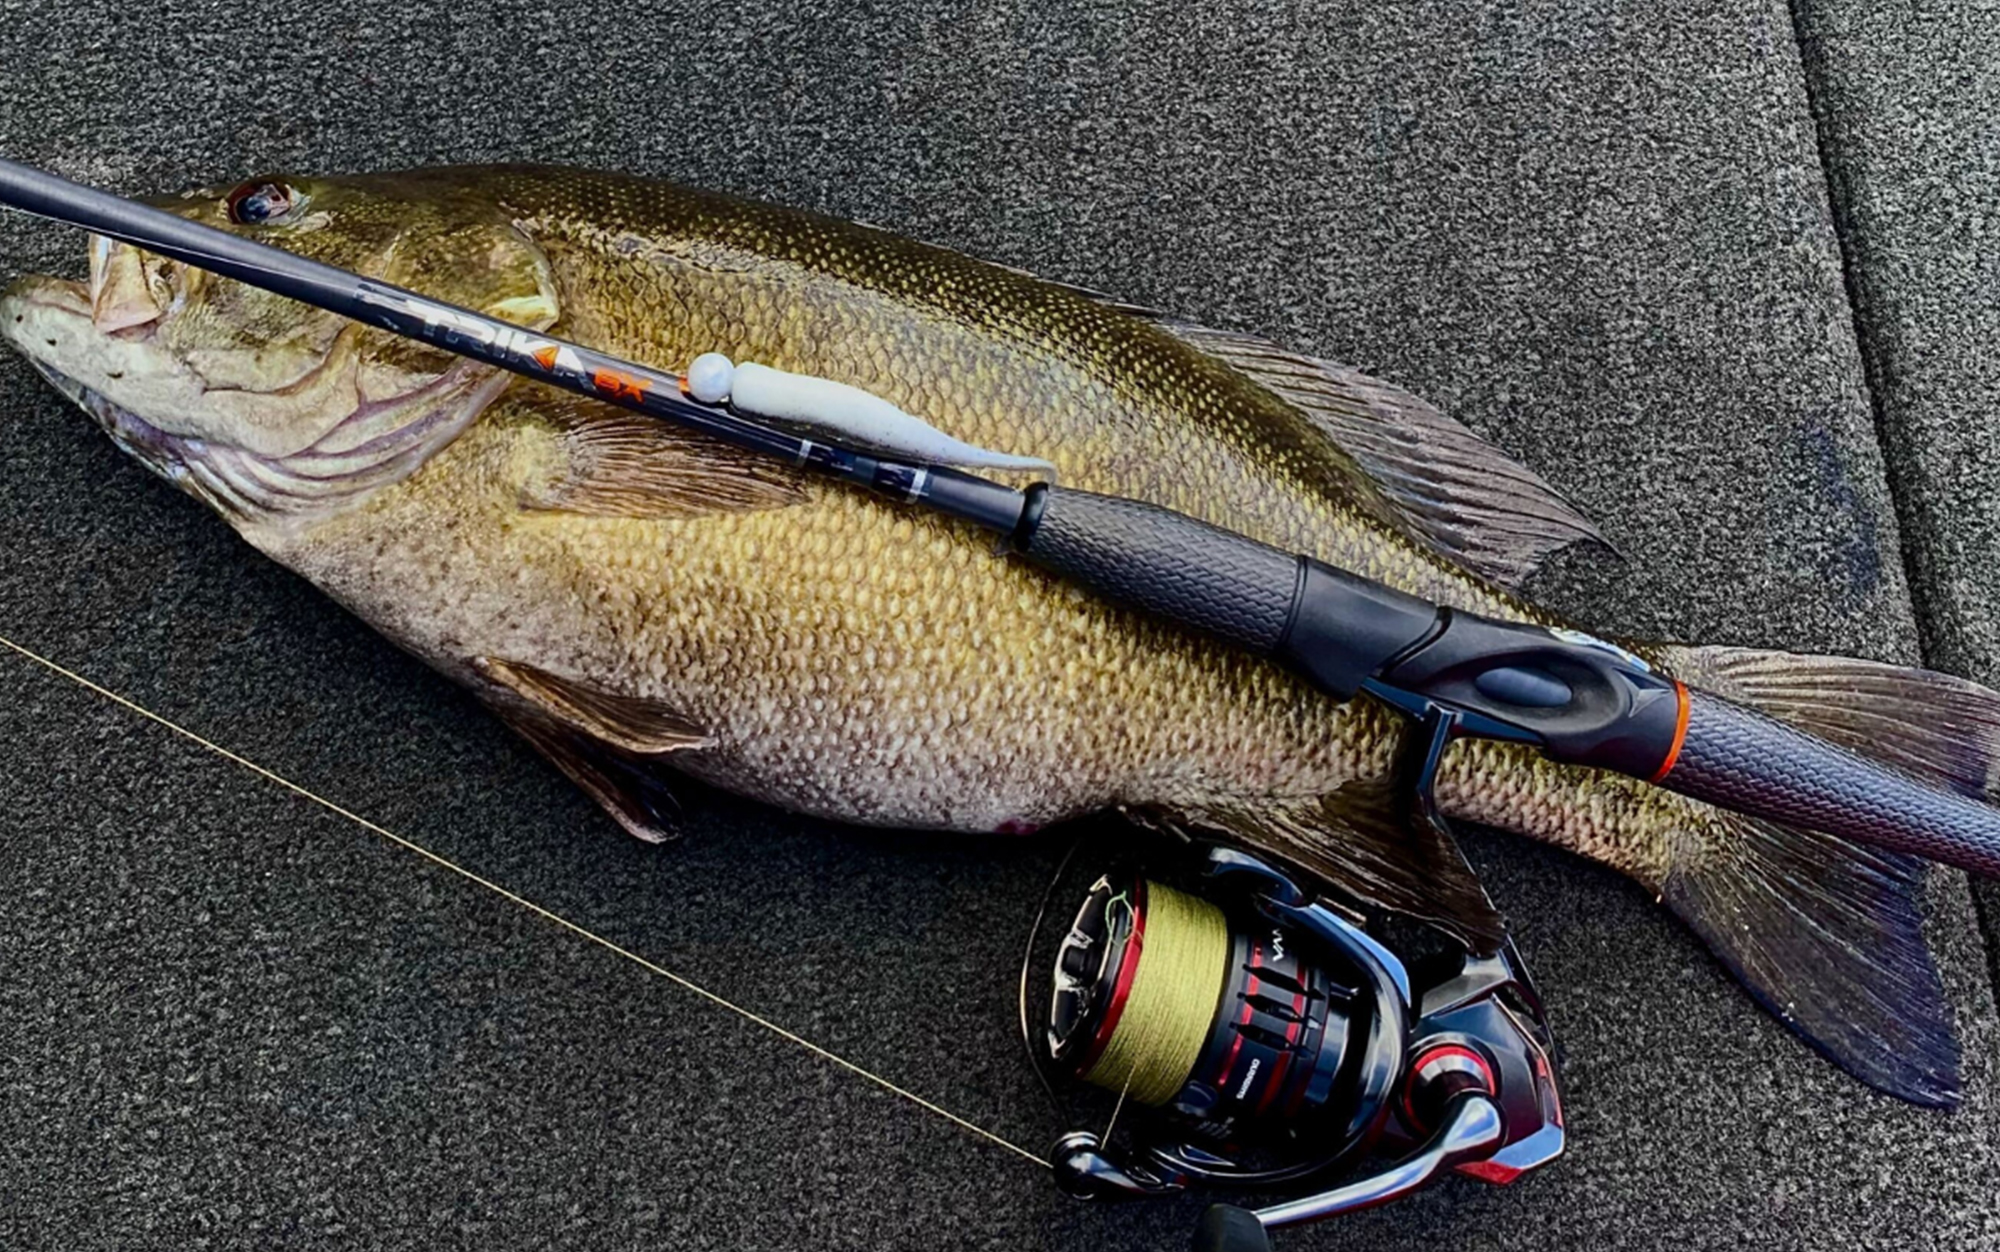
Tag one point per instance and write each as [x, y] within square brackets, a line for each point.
[635, 599]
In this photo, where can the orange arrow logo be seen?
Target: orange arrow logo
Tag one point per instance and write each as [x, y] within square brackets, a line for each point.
[618, 385]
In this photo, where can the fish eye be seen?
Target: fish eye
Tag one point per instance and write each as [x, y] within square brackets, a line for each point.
[262, 201]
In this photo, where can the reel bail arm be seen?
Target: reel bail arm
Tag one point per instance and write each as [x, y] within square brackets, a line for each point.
[1473, 1125]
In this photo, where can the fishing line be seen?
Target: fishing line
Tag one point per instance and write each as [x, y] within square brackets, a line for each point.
[1111, 1122]
[546, 914]
[1182, 953]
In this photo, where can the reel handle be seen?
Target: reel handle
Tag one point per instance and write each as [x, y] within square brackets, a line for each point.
[1472, 1129]
[1226, 1228]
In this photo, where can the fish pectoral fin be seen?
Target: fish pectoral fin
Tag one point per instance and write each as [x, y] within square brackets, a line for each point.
[1443, 485]
[626, 786]
[633, 724]
[1828, 936]
[1357, 841]
[611, 463]
[1937, 727]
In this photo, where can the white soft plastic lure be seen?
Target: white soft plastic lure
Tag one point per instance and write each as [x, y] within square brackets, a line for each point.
[845, 413]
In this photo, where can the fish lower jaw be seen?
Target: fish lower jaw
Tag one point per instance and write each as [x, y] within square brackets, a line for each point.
[283, 493]
[187, 463]
[149, 445]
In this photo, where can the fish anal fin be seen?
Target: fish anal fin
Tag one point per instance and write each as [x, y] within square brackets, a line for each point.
[632, 723]
[1937, 727]
[611, 463]
[1444, 485]
[1358, 841]
[623, 785]
[1829, 937]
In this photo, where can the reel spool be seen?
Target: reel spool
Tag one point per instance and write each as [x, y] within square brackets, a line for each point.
[1261, 1038]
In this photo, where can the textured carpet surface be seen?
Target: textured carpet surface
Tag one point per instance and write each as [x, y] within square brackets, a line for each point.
[1908, 99]
[1599, 232]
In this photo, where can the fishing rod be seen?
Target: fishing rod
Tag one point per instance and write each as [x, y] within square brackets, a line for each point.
[1273, 1019]
[1579, 699]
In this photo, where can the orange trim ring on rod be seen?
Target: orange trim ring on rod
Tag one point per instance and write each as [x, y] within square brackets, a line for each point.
[1680, 733]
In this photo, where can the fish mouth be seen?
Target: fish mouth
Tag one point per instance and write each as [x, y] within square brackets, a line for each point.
[164, 454]
[44, 318]
[150, 445]
[113, 340]
[374, 444]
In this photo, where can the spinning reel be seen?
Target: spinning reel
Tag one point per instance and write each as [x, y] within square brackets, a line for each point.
[1256, 1037]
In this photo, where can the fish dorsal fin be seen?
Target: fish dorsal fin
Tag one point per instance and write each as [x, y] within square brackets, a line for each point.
[1358, 841]
[1444, 485]
[611, 463]
[1425, 474]
[632, 723]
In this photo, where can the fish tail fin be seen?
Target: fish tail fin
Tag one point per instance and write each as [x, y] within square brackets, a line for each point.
[1828, 936]
[1936, 727]
[1826, 933]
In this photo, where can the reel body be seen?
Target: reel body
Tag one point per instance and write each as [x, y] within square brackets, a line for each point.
[1268, 1038]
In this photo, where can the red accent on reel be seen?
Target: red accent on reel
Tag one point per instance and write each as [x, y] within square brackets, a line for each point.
[1128, 967]
[1434, 1065]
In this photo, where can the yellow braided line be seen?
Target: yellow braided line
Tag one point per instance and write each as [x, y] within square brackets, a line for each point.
[1182, 960]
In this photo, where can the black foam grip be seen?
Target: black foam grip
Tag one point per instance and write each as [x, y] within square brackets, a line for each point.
[1742, 760]
[1168, 564]
[1226, 1228]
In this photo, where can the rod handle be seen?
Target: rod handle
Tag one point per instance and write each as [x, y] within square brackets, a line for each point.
[1742, 760]
[1163, 563]
[1335, 628]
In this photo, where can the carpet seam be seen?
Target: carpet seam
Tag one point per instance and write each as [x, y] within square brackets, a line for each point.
[1916, 586]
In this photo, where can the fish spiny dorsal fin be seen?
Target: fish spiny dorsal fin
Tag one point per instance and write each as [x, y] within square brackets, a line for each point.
[1358, 841]
[1445, 486]
[1421, 472]
[611, 463]
[632, 723]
